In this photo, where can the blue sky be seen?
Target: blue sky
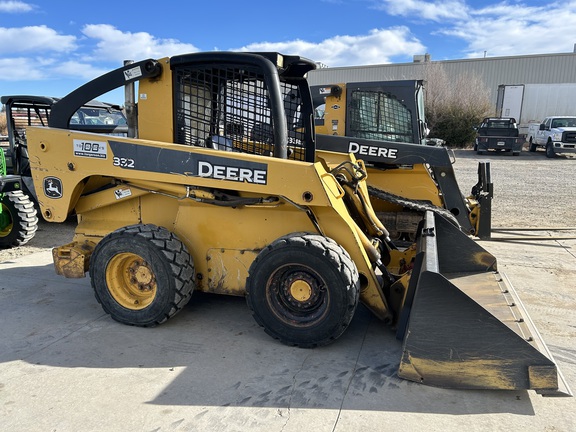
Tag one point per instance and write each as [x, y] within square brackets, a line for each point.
[52, 47]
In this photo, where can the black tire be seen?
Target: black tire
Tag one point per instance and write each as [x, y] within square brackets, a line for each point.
[303, 290]
[550, 151]
[18, 219]
[516, 154]
[142, 275]
[533, 146]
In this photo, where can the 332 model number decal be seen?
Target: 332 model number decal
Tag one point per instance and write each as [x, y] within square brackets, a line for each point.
[123, 162]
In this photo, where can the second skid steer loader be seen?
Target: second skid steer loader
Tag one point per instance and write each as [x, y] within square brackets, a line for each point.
[224, 191]
[406, 174]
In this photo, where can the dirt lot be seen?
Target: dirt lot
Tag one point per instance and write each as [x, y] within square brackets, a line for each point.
[529, 191]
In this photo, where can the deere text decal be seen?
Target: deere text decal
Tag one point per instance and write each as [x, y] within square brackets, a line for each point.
[368, 150]
[234, 173]
[169, 161]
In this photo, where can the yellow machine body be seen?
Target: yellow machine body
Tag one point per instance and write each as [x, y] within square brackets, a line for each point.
[222, 251]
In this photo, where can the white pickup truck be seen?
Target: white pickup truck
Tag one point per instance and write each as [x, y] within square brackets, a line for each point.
[557, 134]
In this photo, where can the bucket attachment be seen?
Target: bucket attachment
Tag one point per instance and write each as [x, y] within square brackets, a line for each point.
[463, 325]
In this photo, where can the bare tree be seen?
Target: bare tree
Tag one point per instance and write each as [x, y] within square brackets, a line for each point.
[455, 106]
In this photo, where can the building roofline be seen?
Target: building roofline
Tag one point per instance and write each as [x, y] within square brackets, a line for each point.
[468, 60]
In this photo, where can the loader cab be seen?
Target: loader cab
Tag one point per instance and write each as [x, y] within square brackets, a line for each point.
[241, 102]
[386, 111]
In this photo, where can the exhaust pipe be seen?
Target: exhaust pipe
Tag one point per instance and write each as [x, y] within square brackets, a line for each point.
[130, 106]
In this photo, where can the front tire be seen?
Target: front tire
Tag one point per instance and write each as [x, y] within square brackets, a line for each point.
[550, 151]
[142, 275]
[18, 219]
[303, 289]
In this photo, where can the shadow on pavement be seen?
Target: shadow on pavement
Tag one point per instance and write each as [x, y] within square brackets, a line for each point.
[214, 354]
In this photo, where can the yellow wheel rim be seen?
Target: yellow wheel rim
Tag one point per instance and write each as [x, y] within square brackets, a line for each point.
[5, 214]
[131, 281]
[301, 290]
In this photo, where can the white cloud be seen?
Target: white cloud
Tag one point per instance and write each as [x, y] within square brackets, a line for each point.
[377, 47]
[78, 70]
[15, 7]
[20, 69]
[102, 45]
[46, 68]
[501, 28]
[504, 29]
[34, 38]
[434, 11]
[115, 45]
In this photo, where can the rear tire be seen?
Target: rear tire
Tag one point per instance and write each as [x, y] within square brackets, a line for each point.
[142, 275]
[550, 151]
[533, 146]
[18, 219]
[303, 289]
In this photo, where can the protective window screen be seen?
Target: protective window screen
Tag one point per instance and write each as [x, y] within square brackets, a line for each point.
[228, 108]
[379, 116]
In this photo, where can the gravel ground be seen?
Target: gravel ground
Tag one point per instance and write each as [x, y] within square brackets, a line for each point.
[530, 190]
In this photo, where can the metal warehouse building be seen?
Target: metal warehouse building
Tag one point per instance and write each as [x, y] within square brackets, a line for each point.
[495, 71]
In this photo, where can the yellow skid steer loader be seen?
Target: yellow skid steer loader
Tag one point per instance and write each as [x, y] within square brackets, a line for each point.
[406, 174]
[219, 188]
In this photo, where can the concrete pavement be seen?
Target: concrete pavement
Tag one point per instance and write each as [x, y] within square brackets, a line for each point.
[66, 366]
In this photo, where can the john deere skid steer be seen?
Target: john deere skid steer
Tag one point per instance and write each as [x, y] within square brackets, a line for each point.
[407, 173]
[224, 191]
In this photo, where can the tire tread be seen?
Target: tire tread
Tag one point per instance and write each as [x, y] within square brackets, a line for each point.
[177, 256]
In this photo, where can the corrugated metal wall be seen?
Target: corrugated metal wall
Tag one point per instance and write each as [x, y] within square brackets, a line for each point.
[539, 69]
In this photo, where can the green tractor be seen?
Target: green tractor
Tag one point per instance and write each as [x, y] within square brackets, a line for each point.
[18, 219]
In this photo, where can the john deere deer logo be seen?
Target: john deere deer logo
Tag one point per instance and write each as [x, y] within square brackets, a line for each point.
[53, 187]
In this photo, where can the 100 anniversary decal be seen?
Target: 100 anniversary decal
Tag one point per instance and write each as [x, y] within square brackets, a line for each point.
[168, 161]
